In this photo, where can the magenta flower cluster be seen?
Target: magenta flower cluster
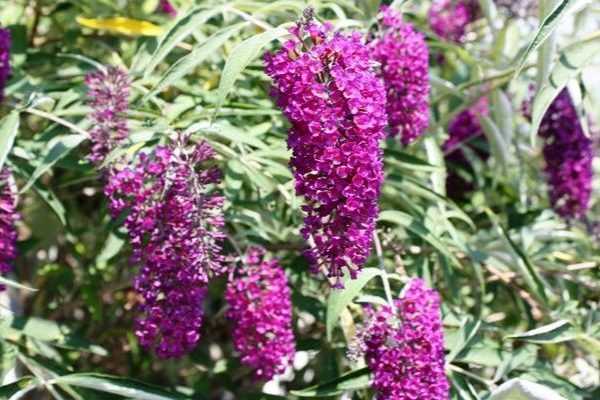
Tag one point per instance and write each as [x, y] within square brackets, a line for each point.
[175, 226]
[335, 103]
[466, 125]
[108, 91]
[5, 44]
[463, 130]
[260, 310]
[166, 7]
[403, 56]
[8, 190]
[404, 348]
[568, 154]
[449, 18]
[8, 218]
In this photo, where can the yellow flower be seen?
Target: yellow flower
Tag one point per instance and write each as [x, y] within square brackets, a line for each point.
[125, 26]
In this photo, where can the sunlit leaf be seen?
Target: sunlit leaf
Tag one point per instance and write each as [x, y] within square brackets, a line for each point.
[569, 64]
[240, 57]
[547, 26]
[556, 332]
[9, 126]
[340, 298]
[116, 385]
[354, 380]
[519, 389]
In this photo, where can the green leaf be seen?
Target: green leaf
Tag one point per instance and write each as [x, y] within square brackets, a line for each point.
[570, 63]
[503, 114]
[520, 389]
[591, 344]
[498, 146]
[180, 30]
[358, 379]
[444, 87]
[416, 227]
[239, 59]
[556, 332]
[48, 331]
[52, 201]
[18, 388]
[409, 161]
[111, 248]
[339, 299]
[58, 147]
[187, 63]
[466, 333]
[436, 158]
[545, 29]
[9, 126]
[116, 385]
[532, 276]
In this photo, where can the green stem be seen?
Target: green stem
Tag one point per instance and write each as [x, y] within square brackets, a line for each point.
[384, 276]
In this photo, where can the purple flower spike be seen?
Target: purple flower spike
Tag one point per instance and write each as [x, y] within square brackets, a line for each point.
[449, 18]
[568, 154]
[466, 125]
[260, 309]
[175, 226]
[8, 218]
[108, 91]
[405, 350]
[336, 106]
[404, 58]
[5, 43]
[462, 130]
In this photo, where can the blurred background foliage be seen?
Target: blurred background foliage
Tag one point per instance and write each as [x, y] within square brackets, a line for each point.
[520, 286]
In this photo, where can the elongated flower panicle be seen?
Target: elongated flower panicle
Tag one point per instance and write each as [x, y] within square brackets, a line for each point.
[8, 218]
[166, 7]
[449, 18]
[108, 91]
[336, 106]
[404, 58]
[175, 224]
[466, 125]
[5, 44]
[405, 349]
[462, 130]
[260, 309]
[568, 153]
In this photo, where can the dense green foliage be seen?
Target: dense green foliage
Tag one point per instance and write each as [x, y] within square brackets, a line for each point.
[504, 262]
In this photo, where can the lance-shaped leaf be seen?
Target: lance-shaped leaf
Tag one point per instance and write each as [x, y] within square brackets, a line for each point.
[548, 25]
[519, 389]
[570, 63]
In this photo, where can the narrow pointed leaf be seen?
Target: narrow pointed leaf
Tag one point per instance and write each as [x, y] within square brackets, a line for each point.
[120, 386]
[570, 63]
[556, 332]
[58, 148]
[178, 32]
[548, 25]
[9, 126]
[239, 59]
[339, 299]
[187, 63]
[358, 379]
